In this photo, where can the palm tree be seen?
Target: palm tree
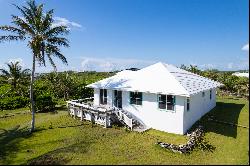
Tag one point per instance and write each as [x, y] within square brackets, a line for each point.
[194, 69]
[15, 75]
[44, 39]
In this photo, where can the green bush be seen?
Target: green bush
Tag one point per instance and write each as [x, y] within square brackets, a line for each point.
[10, 103]
[45, 103]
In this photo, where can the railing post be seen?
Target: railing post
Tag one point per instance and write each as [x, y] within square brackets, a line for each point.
[74, 112]
[131, 123]
[81, 114]
[105, 121]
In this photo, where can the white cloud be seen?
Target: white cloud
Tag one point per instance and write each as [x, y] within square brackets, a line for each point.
[207, 66]
[246, 47]
[111, 64]
[62, 21]
[65, 22]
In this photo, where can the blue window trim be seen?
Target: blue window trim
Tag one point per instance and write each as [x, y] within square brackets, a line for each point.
[130, 98]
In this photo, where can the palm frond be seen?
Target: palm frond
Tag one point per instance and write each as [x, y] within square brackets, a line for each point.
[52, 62]
[12, 29]
[26, 14]
[60, 41]
[11, 38]
[47, 22]
[55, 51]
[26, 71]
[22, 24]
[4, 72]
[58, 30]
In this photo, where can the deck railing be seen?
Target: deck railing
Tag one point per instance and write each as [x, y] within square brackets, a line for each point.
[99, 114]
[128, 120]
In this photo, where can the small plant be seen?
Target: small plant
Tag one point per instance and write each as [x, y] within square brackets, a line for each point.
[115, 126]
[126, 129]
[50, 125]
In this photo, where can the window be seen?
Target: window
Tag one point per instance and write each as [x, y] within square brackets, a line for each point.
[188, 104]
[210, 94]
[103, 96]
[162, 101]
[203, 94]
[170, 102]
[136, 98]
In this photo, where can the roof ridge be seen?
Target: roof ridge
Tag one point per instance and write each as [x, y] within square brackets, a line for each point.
[186, 73]
[165, 67]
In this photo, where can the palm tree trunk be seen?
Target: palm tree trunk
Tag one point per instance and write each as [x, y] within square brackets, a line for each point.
[31, 96]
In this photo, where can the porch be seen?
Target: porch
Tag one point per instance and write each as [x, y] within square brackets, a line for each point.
[102, 114]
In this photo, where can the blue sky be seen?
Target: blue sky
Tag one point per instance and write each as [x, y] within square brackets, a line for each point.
[116, 34]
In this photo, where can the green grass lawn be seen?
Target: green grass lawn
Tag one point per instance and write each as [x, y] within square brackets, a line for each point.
[59, 139]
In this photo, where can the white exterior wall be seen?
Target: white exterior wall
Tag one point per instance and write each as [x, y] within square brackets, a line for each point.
[96, 96]
[153, 117]
[199, 106]
[177, 122]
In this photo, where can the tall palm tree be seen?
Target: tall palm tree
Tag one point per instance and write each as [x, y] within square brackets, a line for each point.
[44, 39]
[15, 75]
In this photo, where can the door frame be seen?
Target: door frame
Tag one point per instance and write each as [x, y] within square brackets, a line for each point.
[116, 99]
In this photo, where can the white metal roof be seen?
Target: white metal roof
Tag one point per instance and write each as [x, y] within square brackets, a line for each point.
[158, 78]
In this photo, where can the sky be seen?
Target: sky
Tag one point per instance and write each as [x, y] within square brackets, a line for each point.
[108, 35]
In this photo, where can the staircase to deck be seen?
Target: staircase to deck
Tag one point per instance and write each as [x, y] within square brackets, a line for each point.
[129, 120]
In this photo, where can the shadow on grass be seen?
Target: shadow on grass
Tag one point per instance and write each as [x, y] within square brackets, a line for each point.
[57, 108]
[61, 107]
[58, 157]
[9, 140]
[226, 112]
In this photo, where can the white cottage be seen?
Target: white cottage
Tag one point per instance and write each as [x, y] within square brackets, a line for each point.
[161, 96]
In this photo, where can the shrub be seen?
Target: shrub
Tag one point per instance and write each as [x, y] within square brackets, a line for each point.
[44, 103]
[10, 103]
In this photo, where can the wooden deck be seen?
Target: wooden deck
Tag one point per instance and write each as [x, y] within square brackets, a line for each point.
[102, 115]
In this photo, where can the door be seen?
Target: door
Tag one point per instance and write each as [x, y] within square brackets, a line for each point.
[118, 99]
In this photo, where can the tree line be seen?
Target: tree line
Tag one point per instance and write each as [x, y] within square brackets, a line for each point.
[233, 85]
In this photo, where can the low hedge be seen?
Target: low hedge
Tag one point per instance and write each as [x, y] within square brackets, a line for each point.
[10, 103]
